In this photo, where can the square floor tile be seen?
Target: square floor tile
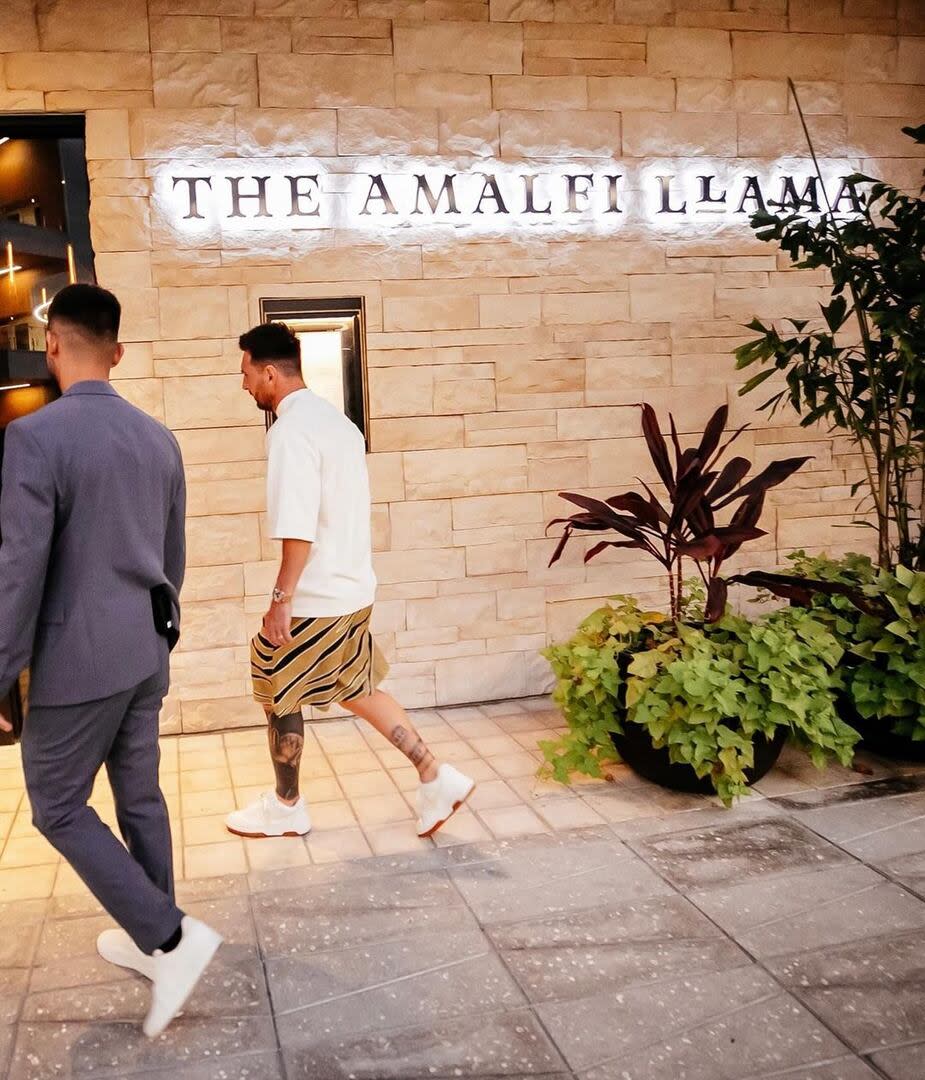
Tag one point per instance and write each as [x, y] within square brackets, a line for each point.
[27, 851]
[357, 785]
[34, 883]
[276, 853]
[509, 821]
[213, 860]
[395, 838]
[338, 845]
[381, 809]
[462, 828]
[336, 814]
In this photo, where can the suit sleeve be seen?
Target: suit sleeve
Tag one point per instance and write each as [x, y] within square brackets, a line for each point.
[27, 522]
[175, 539]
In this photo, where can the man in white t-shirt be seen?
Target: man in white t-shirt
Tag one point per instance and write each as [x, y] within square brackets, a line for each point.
[315, 646]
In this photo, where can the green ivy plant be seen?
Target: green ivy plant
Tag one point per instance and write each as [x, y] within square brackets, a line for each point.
[884, 638]
[704, 692]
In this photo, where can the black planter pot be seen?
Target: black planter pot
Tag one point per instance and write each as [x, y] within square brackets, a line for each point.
[877, 735]
[636, 749]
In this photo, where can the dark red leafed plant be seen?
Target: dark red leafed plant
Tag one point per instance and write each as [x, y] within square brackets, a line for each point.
[697, 491]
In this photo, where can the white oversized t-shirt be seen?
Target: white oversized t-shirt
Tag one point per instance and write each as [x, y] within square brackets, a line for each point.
[318, 490]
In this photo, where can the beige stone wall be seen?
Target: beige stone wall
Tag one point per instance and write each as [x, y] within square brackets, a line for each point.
[499, 367]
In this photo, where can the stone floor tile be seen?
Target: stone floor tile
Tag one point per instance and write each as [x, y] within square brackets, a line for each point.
[113, 1050]
[582, 953]
[566, 813]
[492, 793]
[405, 778]
[518, 722]
[205, 803]
[203, 780]
[462, 828]
[337, 814]
[212, 860]
[355, 761]
[622, 805]
[478, 769]
[489, 746]
[36, 884]
[511, 821]
[14, 982]
[415, 979]
[276, 853]
[252, 1066]
[255, 772]
[395, 838]
[306, 918]
[514, 765]
[10, 799]
[778, 915]
[382, 809]
[204, 830]
[377, 782]
[68, 883]
[881, 829]
[869, 992]
[504, 1045]
[496, 709]
[321, 789]
[335, 845]
[902, 1062]
[27, 851]
[245, 738]
[17, 950]
[190, 744]
[197, 760]
[530, 883]
[706, 856]
[707, 1026]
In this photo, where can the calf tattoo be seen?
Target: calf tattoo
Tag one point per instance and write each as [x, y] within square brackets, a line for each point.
[287, 737]
[412, 746]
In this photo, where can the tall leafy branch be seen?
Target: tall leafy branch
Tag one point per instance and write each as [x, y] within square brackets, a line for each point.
[870, 383]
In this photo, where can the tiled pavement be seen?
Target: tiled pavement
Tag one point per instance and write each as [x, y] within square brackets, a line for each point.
[667, 939]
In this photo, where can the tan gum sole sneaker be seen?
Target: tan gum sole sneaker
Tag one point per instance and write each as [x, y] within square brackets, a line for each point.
[456, 806]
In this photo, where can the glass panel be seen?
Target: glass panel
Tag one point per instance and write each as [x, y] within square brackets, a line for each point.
[36, 259]
[322, 363]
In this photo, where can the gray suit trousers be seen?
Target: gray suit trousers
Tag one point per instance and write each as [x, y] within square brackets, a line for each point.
[63, 749]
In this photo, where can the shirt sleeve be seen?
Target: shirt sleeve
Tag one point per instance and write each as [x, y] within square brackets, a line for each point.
[293, 486]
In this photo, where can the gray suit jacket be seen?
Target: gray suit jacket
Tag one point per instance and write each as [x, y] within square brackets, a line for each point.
[92, 512]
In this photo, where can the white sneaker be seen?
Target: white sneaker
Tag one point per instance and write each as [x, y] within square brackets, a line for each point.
[267, 816]
[118, 948]
[174, 974]
[439, 799]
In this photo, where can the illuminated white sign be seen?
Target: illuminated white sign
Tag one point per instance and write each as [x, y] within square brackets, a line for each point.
[232, 194]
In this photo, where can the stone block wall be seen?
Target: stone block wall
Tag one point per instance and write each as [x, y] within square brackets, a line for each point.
[501, 366]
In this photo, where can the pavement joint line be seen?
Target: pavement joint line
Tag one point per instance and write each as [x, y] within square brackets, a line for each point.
[882, 829]
[790, 917]
[381, 985]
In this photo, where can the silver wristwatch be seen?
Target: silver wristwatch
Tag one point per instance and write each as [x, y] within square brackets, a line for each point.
[279, 597]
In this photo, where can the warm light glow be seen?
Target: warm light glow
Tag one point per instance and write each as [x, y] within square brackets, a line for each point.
[3, 139]
[40, 311]
[71, 270]
[16, 386]
[10, 264]
[8, 270]
[322, 364]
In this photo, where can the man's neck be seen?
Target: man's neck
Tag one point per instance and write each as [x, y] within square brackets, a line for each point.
[292, 389]
[67, 379]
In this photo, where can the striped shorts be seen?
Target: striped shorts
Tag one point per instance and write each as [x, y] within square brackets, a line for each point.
[329, 660]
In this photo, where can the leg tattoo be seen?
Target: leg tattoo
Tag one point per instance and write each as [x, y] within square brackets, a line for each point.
[287, 736]
[413, 747]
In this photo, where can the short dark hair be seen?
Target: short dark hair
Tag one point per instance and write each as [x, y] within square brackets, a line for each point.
[273, 343]
[95, 310]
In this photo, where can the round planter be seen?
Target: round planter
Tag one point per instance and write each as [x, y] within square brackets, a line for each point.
[636, 749]
[877, 735]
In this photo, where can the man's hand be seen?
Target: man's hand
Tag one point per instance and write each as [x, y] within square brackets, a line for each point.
[276, 624]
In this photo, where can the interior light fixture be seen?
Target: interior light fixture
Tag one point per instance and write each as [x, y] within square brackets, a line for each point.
[17, 386]
[9, 269]
[3, 139]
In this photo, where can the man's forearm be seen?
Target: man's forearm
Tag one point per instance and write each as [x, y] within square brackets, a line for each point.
[295, 555]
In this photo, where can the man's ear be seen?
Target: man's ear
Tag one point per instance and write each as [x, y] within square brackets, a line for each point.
[117, 355]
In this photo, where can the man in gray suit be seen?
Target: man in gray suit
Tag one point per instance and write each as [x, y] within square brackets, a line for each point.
[92, 511]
